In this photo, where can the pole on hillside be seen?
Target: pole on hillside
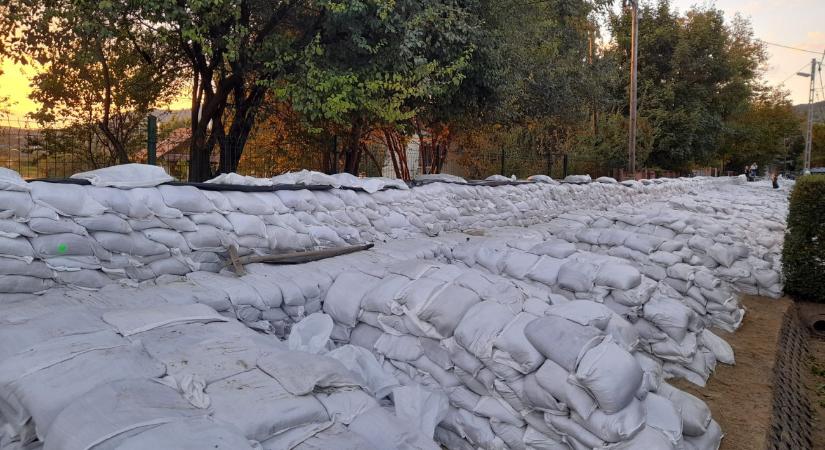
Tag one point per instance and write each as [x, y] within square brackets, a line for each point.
[151, 139]
[809, 129]
[634, 56]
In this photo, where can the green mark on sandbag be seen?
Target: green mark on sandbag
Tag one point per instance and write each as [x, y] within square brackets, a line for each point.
[61, 248]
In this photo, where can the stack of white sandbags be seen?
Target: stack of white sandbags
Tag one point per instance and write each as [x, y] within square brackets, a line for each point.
[417, 316]
[128, 227]
[664, 323]
[462, 332]
[107, 370]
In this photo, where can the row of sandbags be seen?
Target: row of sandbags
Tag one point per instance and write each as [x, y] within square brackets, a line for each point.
[90, 236]
[462, 331]
[108, 370]
[665, 323]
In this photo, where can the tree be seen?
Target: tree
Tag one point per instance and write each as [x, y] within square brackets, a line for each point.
[100, 70]
[695, 72]
[378, 65]
[766, 131]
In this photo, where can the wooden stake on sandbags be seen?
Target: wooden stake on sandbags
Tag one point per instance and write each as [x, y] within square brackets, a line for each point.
[237, 262]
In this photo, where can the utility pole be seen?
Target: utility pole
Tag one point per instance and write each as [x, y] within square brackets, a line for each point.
[809, 129]
[634, 55]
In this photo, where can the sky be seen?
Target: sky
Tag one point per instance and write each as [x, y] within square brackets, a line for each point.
[794, 23]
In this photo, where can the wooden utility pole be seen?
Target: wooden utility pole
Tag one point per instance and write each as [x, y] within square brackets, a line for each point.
[809, 128]
[634, 56]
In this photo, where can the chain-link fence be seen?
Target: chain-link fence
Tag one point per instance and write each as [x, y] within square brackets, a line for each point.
[58, 152]
[37, 151]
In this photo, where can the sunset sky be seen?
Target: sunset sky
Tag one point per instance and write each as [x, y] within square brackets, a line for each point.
[795, 23]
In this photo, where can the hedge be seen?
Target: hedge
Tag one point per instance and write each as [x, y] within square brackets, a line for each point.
[803, 256]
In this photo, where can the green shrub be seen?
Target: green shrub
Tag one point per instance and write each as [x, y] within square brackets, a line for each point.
[803, 257]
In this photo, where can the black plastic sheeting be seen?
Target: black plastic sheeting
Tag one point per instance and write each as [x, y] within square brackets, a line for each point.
[290, 187]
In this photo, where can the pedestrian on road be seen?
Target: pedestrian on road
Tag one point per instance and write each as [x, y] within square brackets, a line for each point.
[775, 180]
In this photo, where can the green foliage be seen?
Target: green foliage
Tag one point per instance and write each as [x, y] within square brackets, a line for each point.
[766, 131]
[695, 73]
[99, 71]
[803, 255]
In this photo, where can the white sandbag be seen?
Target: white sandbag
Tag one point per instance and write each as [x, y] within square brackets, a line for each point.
[16, 248]
[193, 434]
[555, 249]
[43, 394]
[721, 349]
[474, 428]
[16, 204]
[445, 309]
[649, 438]
[577, 276]
[663, 415]
[260, 407]
[681, 271]
[66, 199]
[383, 430]
[133, 321]
[562, 340]
[577, 179]
[481, 325]
[711, 439]
[343, 406]
[316, 371]
[362, 363]
[11, 229]
[146, 202]
[519, 264]
[66, 245]
[696, 417]
[610, 374]
[105, 222]
[669, 315]
[546, 270]
[126, 176]
[37, 269]
[620, 426]
[83, 279]
[583, 312]
[306, 178]
[423, 408]
[618, 276]
[343, 301]
[606, 180]
[212, 351]
[311, 334]
[573, 431]
[116, 408]
[42, 225]
[636, 296]
[441, 177]
[134, 244]
[521, 355]
[12, 181]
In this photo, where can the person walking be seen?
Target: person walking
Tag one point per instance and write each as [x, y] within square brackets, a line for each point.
[775, 180]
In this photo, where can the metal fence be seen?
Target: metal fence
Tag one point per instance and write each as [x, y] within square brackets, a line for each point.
[58, 152]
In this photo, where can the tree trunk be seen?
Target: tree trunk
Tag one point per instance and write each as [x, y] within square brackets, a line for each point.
[352, 151]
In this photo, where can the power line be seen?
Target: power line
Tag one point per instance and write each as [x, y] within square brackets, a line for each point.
[794, 73]
[791, 48]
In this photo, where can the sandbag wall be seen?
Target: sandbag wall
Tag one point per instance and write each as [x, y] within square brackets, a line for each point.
[488, 342]
[108, 370]
[659, 320]
[89, 236]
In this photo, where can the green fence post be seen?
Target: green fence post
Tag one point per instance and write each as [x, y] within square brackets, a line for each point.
[151, 139]
[564, 169]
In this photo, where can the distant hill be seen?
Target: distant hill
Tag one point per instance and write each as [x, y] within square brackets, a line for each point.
[819, 110]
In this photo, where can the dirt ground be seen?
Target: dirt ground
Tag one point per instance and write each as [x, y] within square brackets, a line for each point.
[740, 396]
